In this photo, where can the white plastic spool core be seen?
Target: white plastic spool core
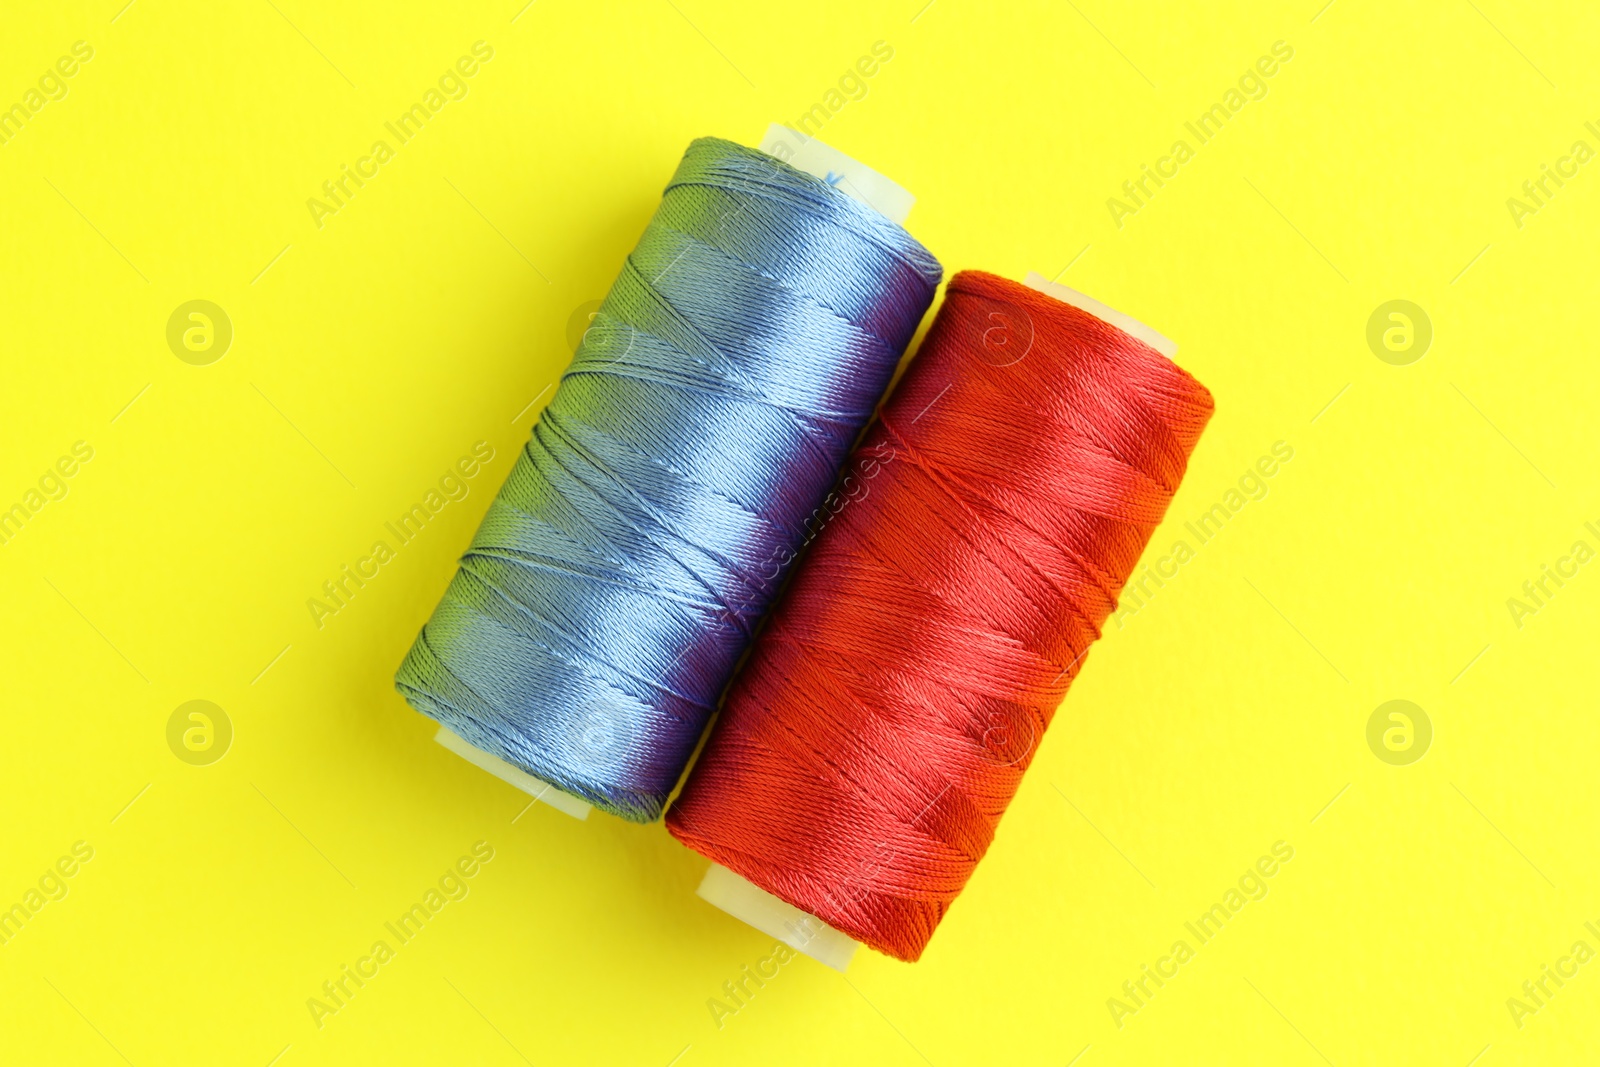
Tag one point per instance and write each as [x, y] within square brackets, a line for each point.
[858, 182]
[855, 180]
[537, 788]
[1109, 315]
[776, 918]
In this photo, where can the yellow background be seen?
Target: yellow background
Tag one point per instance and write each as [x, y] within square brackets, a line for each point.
[432, 311]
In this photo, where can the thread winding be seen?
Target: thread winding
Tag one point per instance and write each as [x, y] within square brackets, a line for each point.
[884, 719]
[646, 525]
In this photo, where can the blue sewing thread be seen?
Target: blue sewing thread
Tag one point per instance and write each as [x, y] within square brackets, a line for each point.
[646, 525]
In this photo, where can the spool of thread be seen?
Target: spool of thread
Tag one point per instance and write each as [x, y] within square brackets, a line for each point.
[647, 524]
[984, 528]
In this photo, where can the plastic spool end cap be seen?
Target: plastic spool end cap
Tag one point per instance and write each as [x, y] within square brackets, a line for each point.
[534, 787]
[756, 907]
[856, 180]
[1126, 323]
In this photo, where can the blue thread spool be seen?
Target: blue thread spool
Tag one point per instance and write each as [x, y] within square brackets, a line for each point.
[650, 519]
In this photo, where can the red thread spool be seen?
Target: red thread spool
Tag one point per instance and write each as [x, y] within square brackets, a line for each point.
[994, 510]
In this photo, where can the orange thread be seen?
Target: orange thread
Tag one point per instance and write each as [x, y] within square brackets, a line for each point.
[868, 749]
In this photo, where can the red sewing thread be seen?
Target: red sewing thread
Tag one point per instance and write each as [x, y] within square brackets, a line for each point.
[865, 754]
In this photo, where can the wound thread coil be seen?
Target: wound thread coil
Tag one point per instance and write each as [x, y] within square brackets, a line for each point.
[645, 527]
[869, 747]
